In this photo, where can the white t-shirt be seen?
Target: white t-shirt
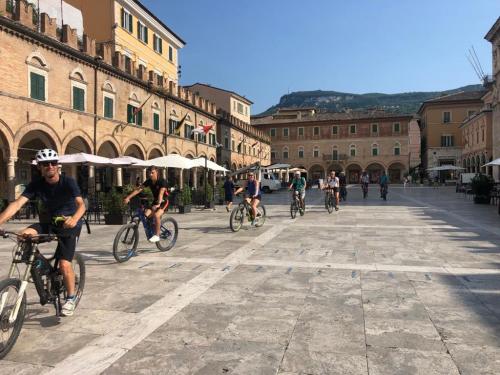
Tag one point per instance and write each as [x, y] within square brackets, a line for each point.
[333, 182]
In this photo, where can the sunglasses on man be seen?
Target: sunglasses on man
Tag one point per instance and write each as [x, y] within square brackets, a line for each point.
[47, 163]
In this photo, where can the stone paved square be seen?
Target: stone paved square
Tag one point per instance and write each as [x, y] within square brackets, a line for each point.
[407, 286]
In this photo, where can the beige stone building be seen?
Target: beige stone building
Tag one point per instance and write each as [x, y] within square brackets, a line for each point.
[477, 138]
[240, 143]
[493, 36]
[350, 142]
[440, 121]
[59, 94]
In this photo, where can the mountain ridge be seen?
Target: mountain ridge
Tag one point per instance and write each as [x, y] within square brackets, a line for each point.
[337, 101]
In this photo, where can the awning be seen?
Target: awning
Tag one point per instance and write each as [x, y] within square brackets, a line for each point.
[171, 161]
[492, 163]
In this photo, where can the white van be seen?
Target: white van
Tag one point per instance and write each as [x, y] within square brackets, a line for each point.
[268, 182]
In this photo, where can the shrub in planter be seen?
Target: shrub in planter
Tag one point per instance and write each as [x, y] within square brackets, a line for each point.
[116, 210]
[221, 193]
[481, 186]
[185, 200]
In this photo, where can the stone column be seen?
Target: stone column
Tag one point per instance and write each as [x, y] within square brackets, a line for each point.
[119, 177]
[91, 180]
[164, 173]
[287, 176]
[73, 171]
[144, 174]
[194, 179]
[11, 178]
[181, 179]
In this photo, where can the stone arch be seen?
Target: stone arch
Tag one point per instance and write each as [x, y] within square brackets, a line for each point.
[395, 172]
[155, 105]
[175, 150]
[353, 173]
[108, 148]
[43, 129]
[7, 137]
[134, 97]
[189, 155]
[141, 150]
[39, 59]
[335, 167]
[78, 74]
[233, 167]
[155, 149]
[316, 171]
[77, 134]
[375, 170]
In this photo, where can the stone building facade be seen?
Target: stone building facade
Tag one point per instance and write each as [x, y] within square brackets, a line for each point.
[350, 142]
[493, 36]
[57, 92]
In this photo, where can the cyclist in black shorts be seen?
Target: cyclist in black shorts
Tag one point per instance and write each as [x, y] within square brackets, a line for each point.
[158, 187]
[63, 208]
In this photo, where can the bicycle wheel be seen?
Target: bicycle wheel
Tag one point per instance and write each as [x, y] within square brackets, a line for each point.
[330, 204]
[125, 242]
[9, 331]
[261, 215]
[79, 270]
[168, 235]
[293, 209]
[236, 219]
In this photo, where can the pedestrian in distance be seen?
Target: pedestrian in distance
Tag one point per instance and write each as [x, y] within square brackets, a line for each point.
[228, 192]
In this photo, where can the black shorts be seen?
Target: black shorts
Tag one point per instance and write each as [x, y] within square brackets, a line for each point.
[66, 245]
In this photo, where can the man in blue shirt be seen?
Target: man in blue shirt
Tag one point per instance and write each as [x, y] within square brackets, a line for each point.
[61, 199]
[384, 182]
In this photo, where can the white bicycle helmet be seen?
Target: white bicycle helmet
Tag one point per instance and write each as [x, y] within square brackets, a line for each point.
[46, 154]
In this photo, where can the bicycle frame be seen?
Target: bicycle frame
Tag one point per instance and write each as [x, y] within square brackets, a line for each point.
[140, 214]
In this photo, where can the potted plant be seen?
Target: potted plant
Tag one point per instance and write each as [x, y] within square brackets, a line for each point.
[481, 186]
[114, 208]
[209, 203]
[185, 200]
[221, 192]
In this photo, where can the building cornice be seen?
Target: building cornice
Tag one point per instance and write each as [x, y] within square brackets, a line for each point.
[490, 35]
[308, 122]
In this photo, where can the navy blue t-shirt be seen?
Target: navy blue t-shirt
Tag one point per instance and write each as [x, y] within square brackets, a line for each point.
[228, 187]
[57, 199]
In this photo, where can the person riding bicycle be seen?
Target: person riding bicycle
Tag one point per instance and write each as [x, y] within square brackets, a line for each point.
[158, 188]
[384, 182]
[365, 181]
[332, 187]
[63, 209]
[254, 194]
[299, 185]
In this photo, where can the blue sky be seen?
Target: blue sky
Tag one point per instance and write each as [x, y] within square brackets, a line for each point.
[264, 49]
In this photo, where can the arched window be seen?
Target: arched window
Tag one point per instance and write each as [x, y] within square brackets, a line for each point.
[274, 154]
[316, 152]
[134, 116]
[155, 108]
[301, 152]
[375, 151]
[108, 99]
[397, 148]
[352, 150]
[78, 90]
[38, 76]
[335, 153]
[285, 152]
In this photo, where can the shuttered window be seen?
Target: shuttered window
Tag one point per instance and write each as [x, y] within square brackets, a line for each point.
[127, 20]
[78, 99]
[37, 86]
[156, 121]
[131, 119]
[108, 107]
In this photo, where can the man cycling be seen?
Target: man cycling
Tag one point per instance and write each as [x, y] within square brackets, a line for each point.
[365, 180]
[158, 187]
[384, 182]
[299, 185]
[254, 194]
[62, 202]
[332, 187]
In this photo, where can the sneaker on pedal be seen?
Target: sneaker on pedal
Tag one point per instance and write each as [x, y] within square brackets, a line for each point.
[336, 208]
[154, 239]
[69, 307]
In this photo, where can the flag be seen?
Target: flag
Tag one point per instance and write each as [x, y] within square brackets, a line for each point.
[138, 109]
[203, 129]
[179, 125]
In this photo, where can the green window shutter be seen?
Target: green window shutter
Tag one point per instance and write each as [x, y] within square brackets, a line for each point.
[37, 86]
[78, 99]
[123, 17]
[130, 23]
[108, 107]
[139, 118]
[146, 34]
[138, 30]
[156, 121]
[161, 45]
[130, 114]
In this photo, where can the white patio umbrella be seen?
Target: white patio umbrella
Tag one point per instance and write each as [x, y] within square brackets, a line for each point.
[171, 161]
[200, 162]
[83, 158]
[493, 163]
[129, 162]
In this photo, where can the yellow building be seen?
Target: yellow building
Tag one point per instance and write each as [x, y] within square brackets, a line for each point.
[149, 48]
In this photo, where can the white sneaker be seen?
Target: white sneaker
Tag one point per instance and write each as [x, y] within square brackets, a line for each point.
[154, 239]
[68, 308]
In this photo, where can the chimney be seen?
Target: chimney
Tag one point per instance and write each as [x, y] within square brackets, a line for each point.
[48, 25]
[23, 13]
[69, 36]
[89, 45]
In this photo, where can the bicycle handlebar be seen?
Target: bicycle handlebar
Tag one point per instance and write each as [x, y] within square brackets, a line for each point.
[37, 238]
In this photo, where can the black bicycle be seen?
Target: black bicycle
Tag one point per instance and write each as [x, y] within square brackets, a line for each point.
[383, 192]
[343, 193]
[364, 187]
[330, 203]
[244, 211]
[127, 238]
[295, 205]
[44, 273]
